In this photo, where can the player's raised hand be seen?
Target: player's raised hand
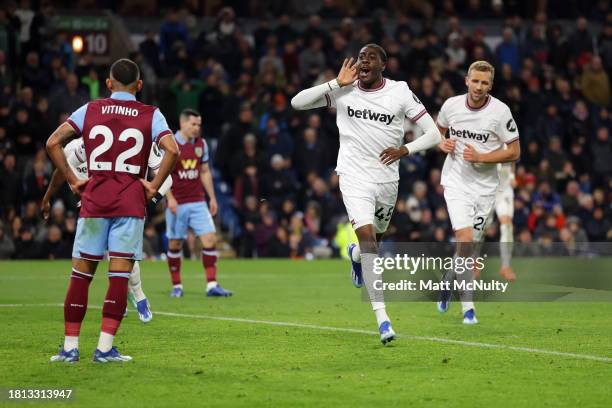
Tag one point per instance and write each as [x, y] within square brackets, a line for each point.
[78, 186]
[392, 154]
[470, 154]
[212, 206]
[348, 72]
[149, 190]
[448, 146]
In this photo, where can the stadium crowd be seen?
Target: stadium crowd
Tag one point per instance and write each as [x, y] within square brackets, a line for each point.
[274, 165]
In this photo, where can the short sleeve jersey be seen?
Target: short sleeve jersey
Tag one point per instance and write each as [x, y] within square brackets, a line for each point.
[186, 184]
[118, 134]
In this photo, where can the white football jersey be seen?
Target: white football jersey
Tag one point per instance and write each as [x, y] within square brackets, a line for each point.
[369, 121]
[487, 129]
[77, 158]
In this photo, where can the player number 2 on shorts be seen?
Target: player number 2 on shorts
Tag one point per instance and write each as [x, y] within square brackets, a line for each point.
[120, 165]
[384, 217]
[479, 224]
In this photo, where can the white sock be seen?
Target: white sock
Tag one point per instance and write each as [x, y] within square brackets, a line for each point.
[71, 342]
[180, 285]
[106, 342]
[135, 283]
[381, 314]
[211, 285]
[356, 255]
[376, 296]
[506, 243]
[465, 306]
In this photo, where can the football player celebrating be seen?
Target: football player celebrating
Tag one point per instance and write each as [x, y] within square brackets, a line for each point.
[370, 116]
[478, 127]
[187, 206]
[75, 155]
[118, 133]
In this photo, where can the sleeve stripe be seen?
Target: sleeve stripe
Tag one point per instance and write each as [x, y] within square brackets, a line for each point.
[512, 140]
[74, 126]
[419, 115]
[162, 135]
[328, 100]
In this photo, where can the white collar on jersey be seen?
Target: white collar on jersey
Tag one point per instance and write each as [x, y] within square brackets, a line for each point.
[123, 96]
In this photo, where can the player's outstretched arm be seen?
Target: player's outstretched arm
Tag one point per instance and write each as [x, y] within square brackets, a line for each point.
[314, 97]
[511, 154]
[171, 152]
[58, 139]
[430, 138]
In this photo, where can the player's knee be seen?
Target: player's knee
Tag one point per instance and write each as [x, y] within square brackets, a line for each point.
[121, 264]
[174, 245]
[84, 265]
[367, 239]
[208, 240]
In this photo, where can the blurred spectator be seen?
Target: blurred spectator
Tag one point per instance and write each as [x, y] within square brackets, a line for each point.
[7, 248]
[595, 83]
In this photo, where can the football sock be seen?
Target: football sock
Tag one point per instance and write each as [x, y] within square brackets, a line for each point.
[105, 343]
[174, 265]
[381, 313]
[356, 254]
[135, 283]
[376, 296]
[209, 260]
[506, 244]
[75, 307]
[464, 276]
[114, 307]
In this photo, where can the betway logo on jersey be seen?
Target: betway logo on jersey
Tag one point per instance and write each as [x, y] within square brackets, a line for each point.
[189, 171]
[369, 115]
[467, 134]
[119, 110]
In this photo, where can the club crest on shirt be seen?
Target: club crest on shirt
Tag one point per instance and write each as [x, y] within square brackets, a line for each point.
[198, 151]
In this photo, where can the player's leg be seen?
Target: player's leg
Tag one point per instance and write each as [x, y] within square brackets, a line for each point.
[360, 202]
[176, 230]
[89, 246]
[504, 207]
[137, 295]
[202, 223]
[124, 248]
[462, 212]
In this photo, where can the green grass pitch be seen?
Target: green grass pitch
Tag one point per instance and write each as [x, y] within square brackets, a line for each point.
[271, 350]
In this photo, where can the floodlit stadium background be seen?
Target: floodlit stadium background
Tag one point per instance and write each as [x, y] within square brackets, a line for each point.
[273, 166]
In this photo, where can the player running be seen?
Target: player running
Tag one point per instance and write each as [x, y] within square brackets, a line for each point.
[118, 133]
[187, 207]
[370, 116]
[75, 155]
[504, 208]
[478, 126]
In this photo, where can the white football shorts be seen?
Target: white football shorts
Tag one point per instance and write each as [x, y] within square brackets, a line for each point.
[368, 203]
[469, 210]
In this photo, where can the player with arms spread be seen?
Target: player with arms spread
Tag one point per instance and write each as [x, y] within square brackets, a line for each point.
[478, 127]
[187, 206]
[76, 157]
[118, 133]
[370, 116]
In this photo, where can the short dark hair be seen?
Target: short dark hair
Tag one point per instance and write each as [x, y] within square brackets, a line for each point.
[381, 51]
[187, 113]
[125, 71]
